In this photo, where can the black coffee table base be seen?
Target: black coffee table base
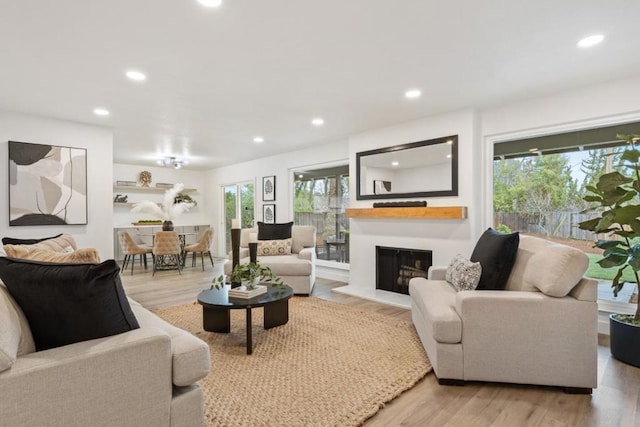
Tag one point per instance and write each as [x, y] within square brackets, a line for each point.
[218, 319]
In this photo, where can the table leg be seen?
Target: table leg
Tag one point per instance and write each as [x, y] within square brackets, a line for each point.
[249, 332]
[216, 320]
[276, 314]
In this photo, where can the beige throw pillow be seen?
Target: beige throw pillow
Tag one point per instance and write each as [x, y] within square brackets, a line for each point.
[274, 247]
[84, 255]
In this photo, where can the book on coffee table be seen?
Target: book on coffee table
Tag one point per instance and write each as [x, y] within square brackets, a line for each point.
[246, 293]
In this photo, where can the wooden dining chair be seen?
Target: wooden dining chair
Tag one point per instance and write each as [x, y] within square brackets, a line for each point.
[130, 249]
[167, 251]
[204, 245]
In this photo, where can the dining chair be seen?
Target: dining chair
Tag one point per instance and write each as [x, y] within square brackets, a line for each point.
[167, 251]
[130, 249]
[204, 245]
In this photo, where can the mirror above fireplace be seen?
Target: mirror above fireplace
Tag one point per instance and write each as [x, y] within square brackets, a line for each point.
[418, 169]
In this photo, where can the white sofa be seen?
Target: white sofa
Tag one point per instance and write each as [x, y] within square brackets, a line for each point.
[297, 270]
[144, 377]
[541, 330]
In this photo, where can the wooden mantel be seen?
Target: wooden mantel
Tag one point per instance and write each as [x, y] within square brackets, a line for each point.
[436, 212]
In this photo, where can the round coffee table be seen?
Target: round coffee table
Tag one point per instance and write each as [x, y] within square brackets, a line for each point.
[217, 306]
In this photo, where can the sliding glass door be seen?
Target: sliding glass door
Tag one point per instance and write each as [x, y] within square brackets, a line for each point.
[238, 202]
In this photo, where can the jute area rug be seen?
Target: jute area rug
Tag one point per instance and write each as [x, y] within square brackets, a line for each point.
[331, 365]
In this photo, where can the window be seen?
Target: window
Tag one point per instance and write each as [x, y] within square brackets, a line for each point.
[320, 197]
[238, 202]
[538, 189]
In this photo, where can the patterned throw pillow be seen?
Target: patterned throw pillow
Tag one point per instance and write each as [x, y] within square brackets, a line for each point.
[463, 274]
[274, 247]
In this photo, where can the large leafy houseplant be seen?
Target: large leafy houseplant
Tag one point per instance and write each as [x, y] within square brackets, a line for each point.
[617, 198]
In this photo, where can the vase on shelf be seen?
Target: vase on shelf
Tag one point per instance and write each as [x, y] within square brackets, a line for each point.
[167, 226]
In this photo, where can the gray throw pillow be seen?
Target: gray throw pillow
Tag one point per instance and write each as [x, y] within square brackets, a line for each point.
[463, 274]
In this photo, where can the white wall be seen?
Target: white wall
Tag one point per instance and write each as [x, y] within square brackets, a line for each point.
[445, 238]
[122, 216]
[282, 166]
[99, 144]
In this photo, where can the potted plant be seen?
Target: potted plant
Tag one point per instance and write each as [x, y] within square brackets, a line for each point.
[617, 198]
[249, 274]
[174, 203]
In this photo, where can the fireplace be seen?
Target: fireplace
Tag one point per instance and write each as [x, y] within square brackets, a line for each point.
[396, 266]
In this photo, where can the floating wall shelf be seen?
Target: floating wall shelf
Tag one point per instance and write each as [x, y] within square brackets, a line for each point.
[437, 212]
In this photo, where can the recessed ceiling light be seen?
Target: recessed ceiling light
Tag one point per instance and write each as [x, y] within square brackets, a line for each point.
[258, 139]
[591, 40]
[412, 93]
[136, 76]
[210, 3]
[395, 163]
[100, 112]
[318, 121]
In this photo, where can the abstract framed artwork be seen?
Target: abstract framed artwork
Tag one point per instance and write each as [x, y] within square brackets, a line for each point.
[47, 184]
[269, 213]
[269, 188]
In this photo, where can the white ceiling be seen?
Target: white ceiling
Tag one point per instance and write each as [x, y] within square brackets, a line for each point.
[219, 77]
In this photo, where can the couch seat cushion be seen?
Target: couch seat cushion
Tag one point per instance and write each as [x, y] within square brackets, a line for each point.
[436, 300]
[191, 359]
[68, 303]
[550, 267]
[287, 265]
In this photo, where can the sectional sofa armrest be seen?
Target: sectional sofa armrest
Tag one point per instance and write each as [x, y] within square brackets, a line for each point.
[308, 254]
[117, 380]
[437, 272]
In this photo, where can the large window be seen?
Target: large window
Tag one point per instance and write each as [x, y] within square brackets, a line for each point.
[238, 202]
[538, 189]
[320, 199]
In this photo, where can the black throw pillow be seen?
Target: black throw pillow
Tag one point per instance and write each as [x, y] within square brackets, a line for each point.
[13, 241]
[496, 253]
[68, 303]
[274, 231]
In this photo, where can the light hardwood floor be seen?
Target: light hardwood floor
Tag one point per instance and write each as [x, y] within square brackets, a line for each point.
[615, 403]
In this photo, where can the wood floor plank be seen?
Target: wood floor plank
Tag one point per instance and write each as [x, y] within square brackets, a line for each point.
[615, 403]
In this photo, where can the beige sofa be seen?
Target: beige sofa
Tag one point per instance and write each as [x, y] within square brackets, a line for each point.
[297, 270]
[144, 377]
[541, 330]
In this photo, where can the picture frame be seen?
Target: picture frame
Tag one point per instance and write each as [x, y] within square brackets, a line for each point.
[269, 213]
[47, 184]
[269, 188]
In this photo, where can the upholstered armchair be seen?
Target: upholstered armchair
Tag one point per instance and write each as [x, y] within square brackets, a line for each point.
[167, 252]
[296, 269]
[541, 329]
[130, 249]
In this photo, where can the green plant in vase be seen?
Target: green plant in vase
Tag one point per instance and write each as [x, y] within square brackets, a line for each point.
[249, 274]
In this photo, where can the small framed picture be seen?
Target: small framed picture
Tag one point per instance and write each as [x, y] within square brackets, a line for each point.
[269, 213]
[269, 188]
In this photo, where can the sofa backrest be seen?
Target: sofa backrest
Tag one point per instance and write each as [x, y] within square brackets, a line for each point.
[542, 265]
[302, 236]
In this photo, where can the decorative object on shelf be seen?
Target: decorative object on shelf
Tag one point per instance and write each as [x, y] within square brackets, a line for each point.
[616, 199]
[48, 185]
[148, 222]
[184, 198]
[168, 210]
[120, 198]
[126, 183]
[145, 178]
[409, 204]
[171, 162]
[269, 213]
[163, 185]
[249, 274]
[269, 188]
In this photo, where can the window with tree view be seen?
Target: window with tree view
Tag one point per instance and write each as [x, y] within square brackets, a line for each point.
[320, 199]
[538, 189]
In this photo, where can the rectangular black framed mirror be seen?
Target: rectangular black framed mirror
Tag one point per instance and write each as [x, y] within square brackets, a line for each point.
[417, 169]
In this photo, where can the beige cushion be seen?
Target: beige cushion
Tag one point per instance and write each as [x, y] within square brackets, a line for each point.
[287, 265]
[85, 255]
[436, 300]
[303, 236]
[274, 247]
[549, 267]
[15, 335]
[58, 244]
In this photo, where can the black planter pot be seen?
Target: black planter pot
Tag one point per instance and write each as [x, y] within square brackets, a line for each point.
[167, 226]
[625, 341]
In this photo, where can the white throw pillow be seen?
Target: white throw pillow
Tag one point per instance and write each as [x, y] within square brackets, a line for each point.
[463, 274]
